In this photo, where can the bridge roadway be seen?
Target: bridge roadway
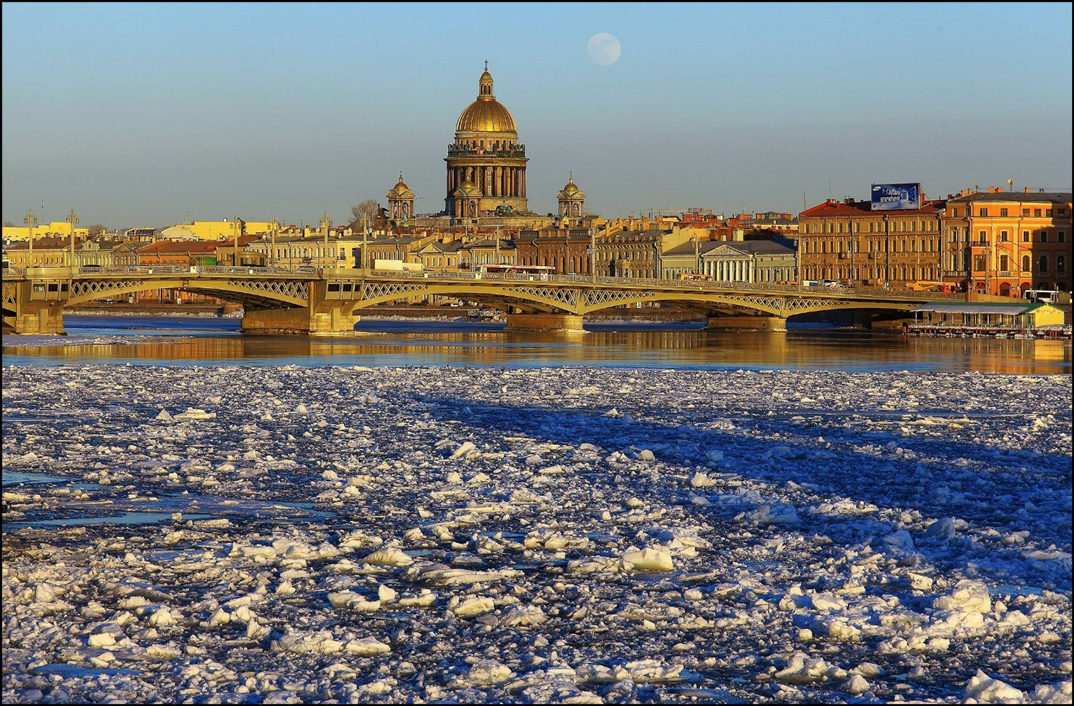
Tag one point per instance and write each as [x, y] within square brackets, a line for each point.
[311, 300]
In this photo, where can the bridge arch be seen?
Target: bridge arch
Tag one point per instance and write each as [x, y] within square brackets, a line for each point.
[251, 291]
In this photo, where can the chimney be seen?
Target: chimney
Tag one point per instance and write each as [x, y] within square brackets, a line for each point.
[999, 190]
[991, 189]
[1027, 189]
[950, 196]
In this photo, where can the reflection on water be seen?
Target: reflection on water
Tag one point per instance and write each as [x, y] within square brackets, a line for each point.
[605, 345]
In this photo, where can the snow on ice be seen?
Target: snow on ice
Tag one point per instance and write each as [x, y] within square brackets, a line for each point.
[489, 535]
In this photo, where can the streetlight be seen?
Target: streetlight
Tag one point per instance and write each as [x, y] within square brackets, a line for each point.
[30, 220]
[73, 220]
[235, 230]
[326, 223]
[593, 250]
[274, 226]
[365, 241]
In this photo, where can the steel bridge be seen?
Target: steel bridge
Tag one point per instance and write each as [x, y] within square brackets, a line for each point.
[326, 301]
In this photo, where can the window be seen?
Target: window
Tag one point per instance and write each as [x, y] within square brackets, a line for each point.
[1025, 212]
[1062, 212]
[954, 213]
[1044, 236]
[1025, 236]
[983, 213]
[1043, 264]
[982, 237]
[1048, 213]
[1061, 264]
[1036, 213]
[1003, 263]
[1060, 236]
[1026, 260]
[1002, 213]
[1003, 236]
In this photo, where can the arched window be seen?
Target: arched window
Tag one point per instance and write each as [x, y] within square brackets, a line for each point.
[1061, 264]
[1026, 260]
[1043, 264]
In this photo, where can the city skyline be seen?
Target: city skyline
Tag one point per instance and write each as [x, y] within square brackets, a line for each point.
[152, 115]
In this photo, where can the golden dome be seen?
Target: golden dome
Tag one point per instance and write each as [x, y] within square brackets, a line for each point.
[570, 189]
[400, 190]
[485, 114]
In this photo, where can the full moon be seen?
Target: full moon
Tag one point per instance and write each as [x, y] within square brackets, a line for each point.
[603, 49]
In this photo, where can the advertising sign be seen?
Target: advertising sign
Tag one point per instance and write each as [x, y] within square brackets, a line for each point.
[896, 197]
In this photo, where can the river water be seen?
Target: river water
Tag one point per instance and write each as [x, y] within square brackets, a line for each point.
[217, 341]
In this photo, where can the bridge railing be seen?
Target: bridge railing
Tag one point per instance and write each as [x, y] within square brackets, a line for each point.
[693, 286]
[684, 285]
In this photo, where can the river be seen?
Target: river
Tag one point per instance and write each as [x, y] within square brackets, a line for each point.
[186, 341]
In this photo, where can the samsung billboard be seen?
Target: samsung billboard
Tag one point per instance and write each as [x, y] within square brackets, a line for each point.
[896, 197]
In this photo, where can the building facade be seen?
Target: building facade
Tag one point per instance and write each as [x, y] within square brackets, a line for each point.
[849, 242]
[1004, 243]
[752, 261]
[50, 251]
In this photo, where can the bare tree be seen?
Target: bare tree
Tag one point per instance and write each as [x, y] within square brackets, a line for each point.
[9, 224]
[365, 213]
[96, 229]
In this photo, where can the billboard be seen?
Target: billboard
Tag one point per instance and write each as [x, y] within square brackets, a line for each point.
[896, 197]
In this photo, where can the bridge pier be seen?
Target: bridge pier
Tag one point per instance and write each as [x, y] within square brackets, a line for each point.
[38, 317]
[747, 323]
[321, 317]
[301, 321]
[544, 322]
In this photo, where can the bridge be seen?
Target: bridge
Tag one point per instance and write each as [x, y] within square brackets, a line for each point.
[310, 300]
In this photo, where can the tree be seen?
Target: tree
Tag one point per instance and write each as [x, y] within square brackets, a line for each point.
[9, 224]
[369, 210]
[95, 230]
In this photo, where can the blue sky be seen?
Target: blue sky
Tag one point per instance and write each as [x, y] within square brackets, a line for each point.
[150, 114]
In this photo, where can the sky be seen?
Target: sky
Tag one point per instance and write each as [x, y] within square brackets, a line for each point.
[156, 114]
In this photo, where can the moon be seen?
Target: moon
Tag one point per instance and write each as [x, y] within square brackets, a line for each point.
[603, 49]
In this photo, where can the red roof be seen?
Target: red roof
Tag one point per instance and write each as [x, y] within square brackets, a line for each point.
[181, 246]
[832, 207]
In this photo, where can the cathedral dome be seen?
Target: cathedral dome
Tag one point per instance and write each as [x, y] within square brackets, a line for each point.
[486, 114]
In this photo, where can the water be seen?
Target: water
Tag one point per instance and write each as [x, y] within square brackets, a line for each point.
[213, 341]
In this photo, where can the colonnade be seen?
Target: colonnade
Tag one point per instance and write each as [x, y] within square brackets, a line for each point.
[491, 181]
[729, 270]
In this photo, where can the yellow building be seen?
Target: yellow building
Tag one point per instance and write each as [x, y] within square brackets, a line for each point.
[944, 317]
[56, 228]
[1004, 243]
[213, 230]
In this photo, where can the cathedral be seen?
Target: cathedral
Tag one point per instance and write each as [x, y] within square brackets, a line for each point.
[486, 172]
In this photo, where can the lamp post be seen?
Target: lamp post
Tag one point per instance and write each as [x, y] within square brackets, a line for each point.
[365, 243]
[593, 250]
[326, 223]
[73, 220]
[235, 230]
[274, 226]
[30, 220]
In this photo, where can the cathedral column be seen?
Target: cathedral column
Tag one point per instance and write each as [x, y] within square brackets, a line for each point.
[497, 182]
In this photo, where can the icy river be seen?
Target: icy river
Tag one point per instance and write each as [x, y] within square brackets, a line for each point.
[455, 514]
